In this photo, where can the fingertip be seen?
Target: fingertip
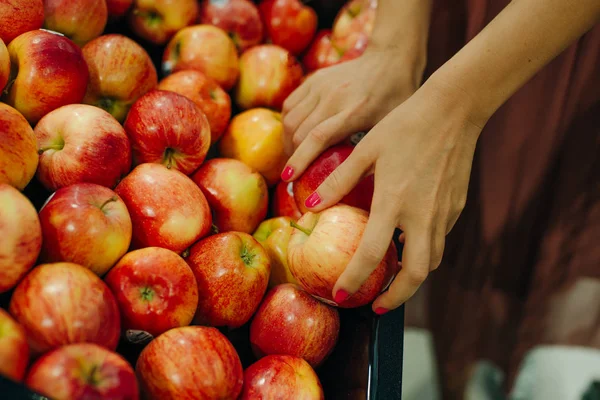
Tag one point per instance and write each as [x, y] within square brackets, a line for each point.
[287, 173]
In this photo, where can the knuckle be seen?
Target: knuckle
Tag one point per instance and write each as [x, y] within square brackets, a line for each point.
[416, 276]
[373, 253]
[297, 140]
[319, 136]
[289, 125]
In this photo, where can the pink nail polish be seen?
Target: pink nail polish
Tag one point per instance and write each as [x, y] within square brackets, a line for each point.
[312, 200]
[287, 173]
[340, 296]
[381, 310]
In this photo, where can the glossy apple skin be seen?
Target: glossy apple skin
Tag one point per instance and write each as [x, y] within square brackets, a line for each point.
[157, 21]
[326, 50]
[289, 23]
[206, 94]
[156, 290]
[118, 8]
[232, 270]
[14, 350]
[81, 143]
[4, 65]
[20, 16]
[362, 194]
[167, 208]
[283, 203]
[255, 137]
[168, 128]
[276, 246]
[83, 371]
[18, 150]
[336, 234]
[169, 367]
[21, 235]
[268, 226]
[85, 224]
[205, 48]
[238, 195]
[49, 71]
[79, 20]
[65, 303]
[239, 18]
[121, 71]
[355, 16]
[291, 321]
[268, 74]
[281, 377]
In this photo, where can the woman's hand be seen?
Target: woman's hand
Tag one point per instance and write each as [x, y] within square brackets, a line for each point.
[344, 99]
[421, 154]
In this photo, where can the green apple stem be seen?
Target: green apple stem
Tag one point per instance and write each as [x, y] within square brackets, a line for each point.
[107, 202]
[185, 253]
[92, 379]
[147, 293]
[169, 153]
[302, 229]
[247, 256]
[51, 147]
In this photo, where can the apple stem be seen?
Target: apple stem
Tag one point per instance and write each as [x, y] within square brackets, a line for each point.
[185, 253]
[114, 198]
[302, 229]
[52, 147]
[169, 152]
[247, 256]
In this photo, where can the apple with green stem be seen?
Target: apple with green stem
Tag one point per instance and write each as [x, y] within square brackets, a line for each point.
[156, 21]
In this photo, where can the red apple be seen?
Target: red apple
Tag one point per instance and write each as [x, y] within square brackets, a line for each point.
[281, 377]
[121, 71]
[206, 93]
[155, 289]
[4, 65]
[268, 74]
[79, 20]
[168, 128]
[326, 51]
[21, 236]
[237, 194]
[239, 18]
[80, 143]
[20, 16]
[192, 362]
[330, 238]
[83, 371]
[205, 48]
[167, 208]
[18, 150]
[290, 23]
[291, 321]
[86, 224]
[232, 270]
[362, 194]
[65, 303]
[157, 21]
[14, 350]
[48, 72]
[117, 8]
[355, 16]
[284, 204]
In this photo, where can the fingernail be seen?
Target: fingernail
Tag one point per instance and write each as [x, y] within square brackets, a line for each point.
[381, 310]
[312, 200]
[340, 296]
[287, 173]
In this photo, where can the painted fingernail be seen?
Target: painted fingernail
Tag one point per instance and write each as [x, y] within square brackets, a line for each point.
[312, 200]
[381, 310]
[340, 296]
[287, 173]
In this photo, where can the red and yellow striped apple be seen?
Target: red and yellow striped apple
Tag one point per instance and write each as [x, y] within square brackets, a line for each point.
[20, 16]
[80, 21]
[18, 149]
[283, 203]
[14, 350]
[156, 21]
[4, 65]
[290, 24]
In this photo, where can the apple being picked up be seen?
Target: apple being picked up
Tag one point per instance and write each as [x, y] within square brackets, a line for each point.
[65, 303]
[14, 350]
[85, 224]
[205, 48]
[232, 270]
[167, 128]
[290, 23]
[20, 16]
[80, 21]
[237, 194]
[4, 65]
[167, 208]
[362, 194]
[321, 247]
[268, 74]
[192, 362]
[291, 321]
[255, 137]
[21, 235]
[239, 18]
[157, 21]
[81, 143]
[155, 289]
[48, 71]
[283, 203]
[281, 377]
[121, 71]
[206, 93]
[18, 149]
[83, 371]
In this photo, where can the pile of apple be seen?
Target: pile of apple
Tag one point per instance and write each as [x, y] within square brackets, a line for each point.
[166, 222]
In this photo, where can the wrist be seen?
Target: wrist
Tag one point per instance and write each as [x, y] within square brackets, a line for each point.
[408, 61]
